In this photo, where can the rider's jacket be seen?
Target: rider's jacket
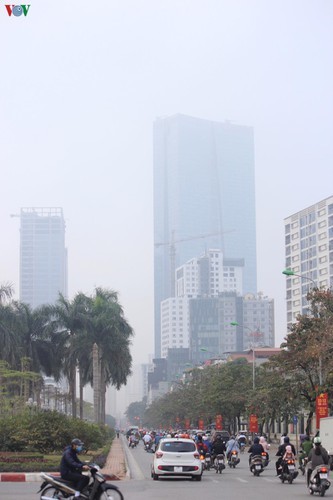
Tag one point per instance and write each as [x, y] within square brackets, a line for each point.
[70, 462]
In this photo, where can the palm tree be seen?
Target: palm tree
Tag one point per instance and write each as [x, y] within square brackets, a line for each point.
[110, 335]
[72, 318]
[6, 292]
[9, 335]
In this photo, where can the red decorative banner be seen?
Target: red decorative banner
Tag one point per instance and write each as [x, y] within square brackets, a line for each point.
[321, 407]
[187, 423]
[218, 422]
[253, 423]
[201, 424]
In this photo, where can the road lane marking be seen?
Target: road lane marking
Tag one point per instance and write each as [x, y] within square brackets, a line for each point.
[242, 480]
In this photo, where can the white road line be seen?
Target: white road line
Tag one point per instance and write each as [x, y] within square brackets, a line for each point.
[242, 480]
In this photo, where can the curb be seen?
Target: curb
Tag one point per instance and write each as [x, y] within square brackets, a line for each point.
[20, 477]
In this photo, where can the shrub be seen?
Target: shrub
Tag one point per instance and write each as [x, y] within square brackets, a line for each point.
[48, 431]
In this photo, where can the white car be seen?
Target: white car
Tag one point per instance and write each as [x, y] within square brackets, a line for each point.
[176, 457]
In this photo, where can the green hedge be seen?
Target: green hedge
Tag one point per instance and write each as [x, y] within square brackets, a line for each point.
[24, 462]
[48, 431]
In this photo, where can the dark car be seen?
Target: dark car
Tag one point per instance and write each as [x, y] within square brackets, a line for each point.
[225, 435]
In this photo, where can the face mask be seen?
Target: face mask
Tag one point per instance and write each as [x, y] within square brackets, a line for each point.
[79, 448]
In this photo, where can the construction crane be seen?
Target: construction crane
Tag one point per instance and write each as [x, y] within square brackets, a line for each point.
[172, 250]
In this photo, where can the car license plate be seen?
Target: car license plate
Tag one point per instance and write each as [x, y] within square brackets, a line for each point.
[258, 467]
[323, 476]
[178, 469]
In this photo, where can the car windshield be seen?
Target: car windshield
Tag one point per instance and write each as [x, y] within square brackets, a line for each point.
[178, 446]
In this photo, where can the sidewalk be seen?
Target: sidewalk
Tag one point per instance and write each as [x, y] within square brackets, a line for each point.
[116, 467]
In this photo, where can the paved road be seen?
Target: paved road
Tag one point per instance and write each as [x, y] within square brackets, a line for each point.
[232, 483]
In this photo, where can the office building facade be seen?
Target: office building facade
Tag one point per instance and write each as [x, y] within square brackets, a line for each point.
[229, 323]
[308, 253]
[43, 256]
[205, 276]
[204, 197]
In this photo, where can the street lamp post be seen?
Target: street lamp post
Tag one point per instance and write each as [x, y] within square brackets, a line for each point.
[216, 356]
[235, 323]
[290, 272]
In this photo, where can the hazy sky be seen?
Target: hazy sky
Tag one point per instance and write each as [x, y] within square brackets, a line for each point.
[81, 84]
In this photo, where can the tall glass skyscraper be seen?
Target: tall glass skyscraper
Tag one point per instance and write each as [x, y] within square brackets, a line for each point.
[43, 256]
[204, 197]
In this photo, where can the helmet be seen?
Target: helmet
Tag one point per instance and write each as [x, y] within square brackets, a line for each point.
[232, 437]
[286, 439]
[77, 442]
[219, 436]
[256, 440]
[317, 440]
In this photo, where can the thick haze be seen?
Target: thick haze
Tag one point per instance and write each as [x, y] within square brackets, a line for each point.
[81, 84]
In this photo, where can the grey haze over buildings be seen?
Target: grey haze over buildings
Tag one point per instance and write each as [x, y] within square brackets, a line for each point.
[204, 197]
[43, 255]
[81, 86]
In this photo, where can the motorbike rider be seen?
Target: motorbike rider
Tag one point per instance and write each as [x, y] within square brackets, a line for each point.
[317, 456]
[232, 445]
[201, 446]
[71, 467]
[208, 443]
[132, 439]
[288, 454]
[147, 439]
[281, 451]
[241, 438]
[255, 449]
[265, 445]
[218, 446]
[306, 446]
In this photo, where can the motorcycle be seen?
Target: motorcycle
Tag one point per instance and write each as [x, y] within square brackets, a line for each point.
[233, 459]
[256, 465]
[132, 443]
[208, 461]
[319, 482]
[97, 489]
[265, 458]
[303, 464]
[202, 460]
[219, 464]
[148, 447]
[288, 471]
[242, 446]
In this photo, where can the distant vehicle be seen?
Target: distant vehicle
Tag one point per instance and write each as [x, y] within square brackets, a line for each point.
[326, 433]
[225, 435]
[176, 457]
